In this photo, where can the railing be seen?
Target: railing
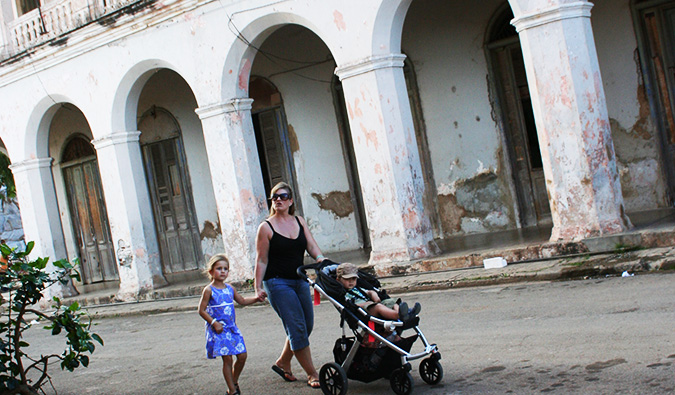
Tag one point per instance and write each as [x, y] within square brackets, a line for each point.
[54, 19]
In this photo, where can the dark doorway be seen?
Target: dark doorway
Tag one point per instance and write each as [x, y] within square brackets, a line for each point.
[272, 137]
[88, 211]
[515, 107]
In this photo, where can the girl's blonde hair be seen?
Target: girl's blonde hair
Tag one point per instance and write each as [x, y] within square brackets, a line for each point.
[282, 185]
[212, 262]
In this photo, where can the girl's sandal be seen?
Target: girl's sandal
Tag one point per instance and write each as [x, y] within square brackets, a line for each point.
[314, 383]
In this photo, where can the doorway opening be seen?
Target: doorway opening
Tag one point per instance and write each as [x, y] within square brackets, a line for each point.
[515, 107]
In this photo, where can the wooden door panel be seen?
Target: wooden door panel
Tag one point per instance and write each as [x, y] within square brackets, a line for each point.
[177, 229]
[90, 222]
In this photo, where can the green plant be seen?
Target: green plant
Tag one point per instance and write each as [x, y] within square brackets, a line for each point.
[25, 280]
[6, 178]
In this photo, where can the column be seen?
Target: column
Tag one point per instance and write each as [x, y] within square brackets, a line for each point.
[237, 180]
[40, 215]
[130, 214]
[572, 121]
[388, 160]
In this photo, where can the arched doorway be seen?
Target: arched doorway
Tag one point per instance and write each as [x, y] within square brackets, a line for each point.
[88, 211]
[168, 182]
[515, 107]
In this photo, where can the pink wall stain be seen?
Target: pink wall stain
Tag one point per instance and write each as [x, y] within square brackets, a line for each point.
[371, 136]
[244, 74]
[357, 111]
[339, 21]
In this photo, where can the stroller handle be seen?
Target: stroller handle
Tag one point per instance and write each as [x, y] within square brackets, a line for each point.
[302, 270]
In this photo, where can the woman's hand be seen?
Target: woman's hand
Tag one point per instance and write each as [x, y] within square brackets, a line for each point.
[217, 327]
[260, 294]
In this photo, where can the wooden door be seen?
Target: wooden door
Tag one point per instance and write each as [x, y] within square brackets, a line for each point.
[658, 21]
[521, 133]
[90, 221]
[175, 219]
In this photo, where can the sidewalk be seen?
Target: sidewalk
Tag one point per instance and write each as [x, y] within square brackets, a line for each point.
[634, 261]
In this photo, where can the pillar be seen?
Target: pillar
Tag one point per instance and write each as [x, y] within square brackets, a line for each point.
[237, 180]
[572, 121]
[388, 159]
[130, 214]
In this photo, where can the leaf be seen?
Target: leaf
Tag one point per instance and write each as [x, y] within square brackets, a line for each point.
[97, 338]
[74, 306]
[4, 248]
[29, 247]
[85, 360]
[56, 330]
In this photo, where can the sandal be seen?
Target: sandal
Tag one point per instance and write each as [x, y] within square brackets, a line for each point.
[288, 376]
[314, 383]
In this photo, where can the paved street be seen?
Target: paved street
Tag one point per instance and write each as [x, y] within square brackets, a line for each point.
[607, 335]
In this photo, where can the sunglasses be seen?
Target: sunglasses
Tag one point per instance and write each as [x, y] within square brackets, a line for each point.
[282, 196]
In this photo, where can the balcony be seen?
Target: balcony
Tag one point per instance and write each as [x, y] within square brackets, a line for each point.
[52, 20]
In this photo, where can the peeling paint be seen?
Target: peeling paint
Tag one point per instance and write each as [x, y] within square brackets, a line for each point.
[293, 139]
[210, 230]
[337, 202]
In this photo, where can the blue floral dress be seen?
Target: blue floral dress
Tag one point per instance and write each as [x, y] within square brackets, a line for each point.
[229, 341]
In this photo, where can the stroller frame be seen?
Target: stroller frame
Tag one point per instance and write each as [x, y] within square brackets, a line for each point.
[333, 378]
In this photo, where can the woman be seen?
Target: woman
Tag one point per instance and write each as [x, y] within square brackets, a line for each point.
[280, 249]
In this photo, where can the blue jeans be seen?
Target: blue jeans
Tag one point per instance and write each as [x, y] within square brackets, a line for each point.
[293, 304]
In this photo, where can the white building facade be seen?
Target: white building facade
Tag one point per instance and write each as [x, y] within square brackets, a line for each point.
[145, 135]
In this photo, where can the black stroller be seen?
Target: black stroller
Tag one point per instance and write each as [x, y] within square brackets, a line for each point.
[376, 350]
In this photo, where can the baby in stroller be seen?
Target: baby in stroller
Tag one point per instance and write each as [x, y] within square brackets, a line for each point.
[347, 274]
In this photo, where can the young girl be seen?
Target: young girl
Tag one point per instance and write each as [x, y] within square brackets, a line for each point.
[223, 338]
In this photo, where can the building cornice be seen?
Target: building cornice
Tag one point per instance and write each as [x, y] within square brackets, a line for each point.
[579, 9]
[116, 139]
[234, 105]
[30, 164]
[369, 64]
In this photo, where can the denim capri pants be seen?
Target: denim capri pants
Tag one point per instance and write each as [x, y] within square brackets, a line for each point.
[292, 302]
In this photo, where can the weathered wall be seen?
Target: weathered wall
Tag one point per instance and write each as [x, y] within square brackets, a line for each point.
[633, 131]
[444, 40]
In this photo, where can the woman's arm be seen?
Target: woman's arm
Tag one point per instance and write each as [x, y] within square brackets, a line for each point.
[312, 248]
[262, 248]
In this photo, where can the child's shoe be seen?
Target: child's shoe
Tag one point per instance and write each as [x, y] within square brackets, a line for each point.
[412, 313]
[403, 311]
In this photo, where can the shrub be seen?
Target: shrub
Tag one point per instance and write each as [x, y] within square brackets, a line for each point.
[23, 282]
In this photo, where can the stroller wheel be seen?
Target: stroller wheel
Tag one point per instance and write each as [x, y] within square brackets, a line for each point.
[333, 379]
[431, 371]
[401, 382]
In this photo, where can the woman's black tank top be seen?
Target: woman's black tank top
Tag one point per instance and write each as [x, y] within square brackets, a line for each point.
[285, 255]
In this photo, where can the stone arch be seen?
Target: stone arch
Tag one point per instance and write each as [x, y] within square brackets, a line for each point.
[239, 60]
[388, 27]
[125, 102]
[36, 143]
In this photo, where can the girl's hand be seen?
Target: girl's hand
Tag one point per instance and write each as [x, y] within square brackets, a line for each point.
[260, 294]
[217, 327]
